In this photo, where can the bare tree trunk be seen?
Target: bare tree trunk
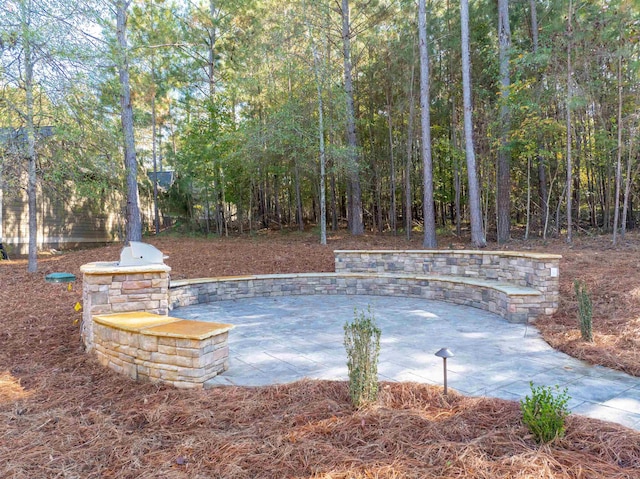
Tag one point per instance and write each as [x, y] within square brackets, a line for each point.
[558, 208]
[250, 208]
[477, 233]
[604, 187]
[334, 203]
[577, 156]
[616, 211]
[457, 184]
[218, 194]
[323, 158]
[298, 198]
[429, 240]
[503, 196]
[356, 222]
[223, 201]
[591, 199]
[569, 95]
[627, 189]
[2, 251]
[276, 200]
[377, 201]
[546, 212]
[392, 166]
[32, 265]
[332, 175]
[32, 175]
[408, 221]
[154, 140]
[211, 66]
[134, 221]
[542, 174]
[207, 215]
[534, 25]
[526, 231]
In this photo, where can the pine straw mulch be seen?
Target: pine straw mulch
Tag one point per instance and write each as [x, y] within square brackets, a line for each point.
[612, 276]
[63, 415]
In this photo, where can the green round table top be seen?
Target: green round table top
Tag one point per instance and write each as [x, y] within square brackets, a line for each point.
[60, 278]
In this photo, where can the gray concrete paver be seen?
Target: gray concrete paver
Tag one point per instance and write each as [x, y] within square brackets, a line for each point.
[283, 339]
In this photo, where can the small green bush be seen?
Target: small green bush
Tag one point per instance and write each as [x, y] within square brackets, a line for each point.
[585, 311]
[362, 342]
[544, 414]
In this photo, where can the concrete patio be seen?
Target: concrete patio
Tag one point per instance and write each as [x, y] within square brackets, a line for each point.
[283, 339]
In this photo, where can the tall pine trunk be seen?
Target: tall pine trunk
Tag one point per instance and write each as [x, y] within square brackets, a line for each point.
[408, 220]
[475, 211]
[322, 154]
[457, 183]
[133, 219]
[616, 211]
[154, 151]
[429, 240]
[32, 265]
[356, 221]
[392, 166]
[569, 95]
[503, 197]
[542, 174]
[627, 189]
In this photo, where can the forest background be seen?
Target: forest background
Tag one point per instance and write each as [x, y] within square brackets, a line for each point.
[273, 114]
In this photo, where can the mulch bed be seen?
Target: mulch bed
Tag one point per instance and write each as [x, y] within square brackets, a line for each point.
[63, 415]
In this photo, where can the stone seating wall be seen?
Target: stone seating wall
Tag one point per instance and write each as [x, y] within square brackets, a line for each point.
[156, 348]
[517, 286]
[534, 270]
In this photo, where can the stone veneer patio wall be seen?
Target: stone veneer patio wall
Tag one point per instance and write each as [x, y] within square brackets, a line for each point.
[518, 286]
[514, 303]
[126, 324]
[534, 270]
[110, 288]
[155, 348]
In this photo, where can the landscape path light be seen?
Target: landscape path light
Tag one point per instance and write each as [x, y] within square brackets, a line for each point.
[445, 353]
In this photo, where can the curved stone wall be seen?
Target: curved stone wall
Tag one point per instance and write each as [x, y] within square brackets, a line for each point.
[512, 302]
[535, 270]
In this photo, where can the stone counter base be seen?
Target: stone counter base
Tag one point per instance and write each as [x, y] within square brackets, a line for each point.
[156, 348]
[513, 302]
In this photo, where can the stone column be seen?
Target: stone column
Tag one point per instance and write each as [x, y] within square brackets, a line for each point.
[110, 288]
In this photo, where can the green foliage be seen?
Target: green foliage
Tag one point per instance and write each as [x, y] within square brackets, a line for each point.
[585, 310]
[544, 413]
[362, 342]
[233, 93]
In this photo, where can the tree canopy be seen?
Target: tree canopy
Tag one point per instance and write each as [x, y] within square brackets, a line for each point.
[276, 114]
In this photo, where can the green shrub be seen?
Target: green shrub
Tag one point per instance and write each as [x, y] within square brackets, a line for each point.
[362, 342]
[544, 414]
[585, 312]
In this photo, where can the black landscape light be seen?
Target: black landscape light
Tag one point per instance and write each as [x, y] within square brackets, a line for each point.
[444, 353]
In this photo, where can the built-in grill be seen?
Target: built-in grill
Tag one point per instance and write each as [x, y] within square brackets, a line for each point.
[140, 254]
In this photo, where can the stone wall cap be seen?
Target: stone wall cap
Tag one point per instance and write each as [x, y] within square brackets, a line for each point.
[112, 267]
[250, 277]
[134, 321]
[506, 287]
[188, 329]
[523, 254]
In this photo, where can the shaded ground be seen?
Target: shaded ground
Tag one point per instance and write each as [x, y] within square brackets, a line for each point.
[63, 415]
